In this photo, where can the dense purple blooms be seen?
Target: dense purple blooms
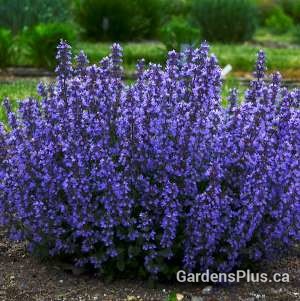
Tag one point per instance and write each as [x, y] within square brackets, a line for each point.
[155, 174]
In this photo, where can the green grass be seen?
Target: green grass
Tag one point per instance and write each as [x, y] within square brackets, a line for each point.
[16, 90]
[264, 35]
[151, 51]
[241, 56]
[228, 84]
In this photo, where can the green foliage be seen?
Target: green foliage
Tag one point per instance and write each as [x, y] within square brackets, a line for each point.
[151, 51]
[43, 39]
[265, 8]
[6, 40]
[17, 14]
[172, 297]
[279, 22]
[296, 34]
[118, 20]
[15, 90]
[178, 31]
[173, 8]
[291, 8]
[225, 20]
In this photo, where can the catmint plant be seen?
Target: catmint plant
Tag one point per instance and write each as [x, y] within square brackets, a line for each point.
[153, 176]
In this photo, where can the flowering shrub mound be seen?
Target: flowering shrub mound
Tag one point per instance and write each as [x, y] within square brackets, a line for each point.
[155, 176]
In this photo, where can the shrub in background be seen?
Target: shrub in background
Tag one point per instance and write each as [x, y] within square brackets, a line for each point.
[178, 31]
[225, 20]
[118, 19]
[291, 8]
[156, 176]
[265, 8]
[279, 22]
[18, 14]
[174, 8]
[6, 41]
[42, 41]
[296, 34]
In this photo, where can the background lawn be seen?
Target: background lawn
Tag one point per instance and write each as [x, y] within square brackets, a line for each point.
[31, 29]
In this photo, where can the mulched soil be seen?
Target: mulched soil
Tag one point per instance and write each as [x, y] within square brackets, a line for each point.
[23, 277]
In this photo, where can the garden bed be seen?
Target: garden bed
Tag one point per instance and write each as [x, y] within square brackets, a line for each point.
[23, 277]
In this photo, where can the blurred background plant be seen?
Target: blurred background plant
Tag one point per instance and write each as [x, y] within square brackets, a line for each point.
[6, 40]
[149, 28]
[179, 32]
[228, 21]
[296, 34]
[42, 40]
[279, 22]
[118, 19]
[18, 14]
[291, 8]
[264, 9]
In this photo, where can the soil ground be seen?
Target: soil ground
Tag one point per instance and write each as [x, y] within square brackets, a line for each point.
[25, 278]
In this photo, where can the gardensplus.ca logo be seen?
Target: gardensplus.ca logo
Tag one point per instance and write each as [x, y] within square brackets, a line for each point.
[239, 275]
